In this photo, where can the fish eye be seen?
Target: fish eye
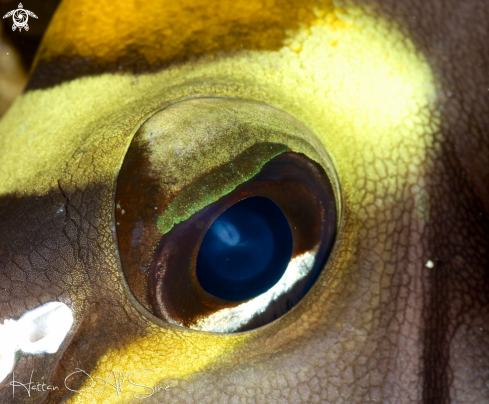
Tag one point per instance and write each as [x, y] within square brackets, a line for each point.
[225, 225]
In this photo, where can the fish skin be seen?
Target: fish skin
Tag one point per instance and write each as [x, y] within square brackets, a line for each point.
[379, 326]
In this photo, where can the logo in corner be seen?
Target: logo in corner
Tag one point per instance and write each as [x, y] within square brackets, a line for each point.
[20, 17]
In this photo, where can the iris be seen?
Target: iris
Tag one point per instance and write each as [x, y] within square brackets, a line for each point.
[245, 251]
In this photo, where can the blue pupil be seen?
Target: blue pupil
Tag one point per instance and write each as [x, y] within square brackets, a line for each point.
[245, 251]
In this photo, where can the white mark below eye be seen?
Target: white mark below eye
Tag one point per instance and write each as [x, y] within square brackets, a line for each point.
[40, 330]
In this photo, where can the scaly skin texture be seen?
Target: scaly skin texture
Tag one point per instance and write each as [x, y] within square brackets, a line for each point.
[396, 93]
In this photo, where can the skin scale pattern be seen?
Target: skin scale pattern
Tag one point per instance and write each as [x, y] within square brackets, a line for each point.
[396, 92]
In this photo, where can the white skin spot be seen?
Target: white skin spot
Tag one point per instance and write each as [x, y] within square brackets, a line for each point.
[41, 330]
[429, 264]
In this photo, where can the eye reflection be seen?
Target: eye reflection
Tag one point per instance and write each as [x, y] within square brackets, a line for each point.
[225, 234]
[245, 251]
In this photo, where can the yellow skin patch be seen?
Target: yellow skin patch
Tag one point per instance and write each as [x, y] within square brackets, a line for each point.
[163, 354]
[170, 31]
[354, 80]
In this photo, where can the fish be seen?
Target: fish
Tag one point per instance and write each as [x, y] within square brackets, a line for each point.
[142, 122]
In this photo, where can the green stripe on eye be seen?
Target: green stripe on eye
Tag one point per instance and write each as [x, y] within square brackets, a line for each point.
[218, 183]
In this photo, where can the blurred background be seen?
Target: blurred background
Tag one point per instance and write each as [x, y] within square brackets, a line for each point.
[17, 49]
